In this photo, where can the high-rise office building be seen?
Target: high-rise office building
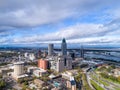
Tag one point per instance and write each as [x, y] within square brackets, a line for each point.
[63, 63]
[64, 47]
[39, 54]
[82, 52]
[50, 49]
[43, 64]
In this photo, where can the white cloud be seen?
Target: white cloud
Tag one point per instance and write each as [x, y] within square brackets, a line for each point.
[27, 13]
[79, 33]
[19, 14]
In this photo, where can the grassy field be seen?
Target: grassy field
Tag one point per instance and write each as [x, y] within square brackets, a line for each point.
[85, 83]
[95, 85]
[116, 88]
[104, 83]
[99, 80]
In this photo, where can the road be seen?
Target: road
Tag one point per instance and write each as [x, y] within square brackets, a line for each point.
[111, 85]
[88, 80]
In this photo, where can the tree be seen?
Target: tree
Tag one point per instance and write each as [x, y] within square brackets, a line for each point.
[25, 83]
[0, 75]
[109, 69]
[24, 87]
[50, 71]
[118, 79]
[113, 66]
[20, 80]
[78, 77]
[2, 84]
[80, 70]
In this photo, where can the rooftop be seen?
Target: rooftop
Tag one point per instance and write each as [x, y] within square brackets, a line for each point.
[22, 76]
[39, 81]
[19, 62]
[73, 82]
[40, 70]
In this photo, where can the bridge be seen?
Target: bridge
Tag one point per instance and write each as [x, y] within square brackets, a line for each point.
[92, 49]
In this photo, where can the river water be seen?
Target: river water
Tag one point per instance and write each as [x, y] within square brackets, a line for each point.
[99, 56]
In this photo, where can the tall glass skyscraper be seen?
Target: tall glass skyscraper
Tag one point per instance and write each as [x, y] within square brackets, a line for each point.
[64, 47]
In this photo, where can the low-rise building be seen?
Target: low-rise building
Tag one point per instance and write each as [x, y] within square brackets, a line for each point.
[21, 76]
[39, 83]
[19, 71]
[39, 72]
[31, 86]
[71, 85]
[68, 74]
[31, 69]
[116, 72]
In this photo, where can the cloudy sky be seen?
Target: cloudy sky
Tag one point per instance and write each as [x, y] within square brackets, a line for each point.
[32, 22]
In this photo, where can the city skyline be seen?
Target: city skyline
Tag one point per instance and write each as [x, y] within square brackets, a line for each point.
[31, 23]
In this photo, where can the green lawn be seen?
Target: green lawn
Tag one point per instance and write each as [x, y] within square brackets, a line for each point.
[85, 83]
[99, 80]
[116, 88]
[104, 83]
[96, 86]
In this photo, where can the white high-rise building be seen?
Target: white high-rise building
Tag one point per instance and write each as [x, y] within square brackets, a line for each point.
[64, 63]
[26, 55]
[50, 49]
[61, 63]
[18, 68]
[31, 56]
